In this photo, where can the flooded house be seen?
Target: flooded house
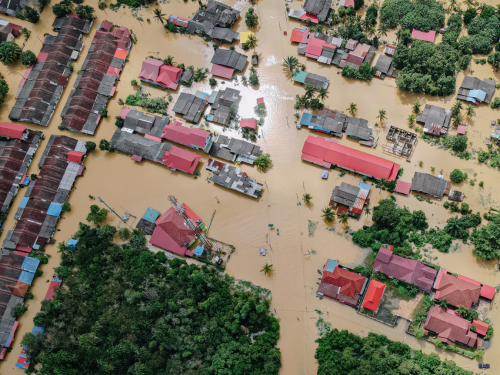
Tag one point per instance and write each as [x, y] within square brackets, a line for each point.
[351, 199]
[400, 142]
[319, 46]
[327, 121]
[191, 137]
[37, 95]
[232, 149]
[315, 80]
[475, 91]
[232, 178]
[157, 73]
[8, 31]
[95, 82]
[385, 67]
[41, 207]
[299, 35]
[319, 8]
[12, 7]
[216, 20]
[340, 284]
[225, 62]
[191, 107]
[428, 184]
[356, 53]
[410, 271]
[389, 50]
[358, 128]
[139, 122]
[436, 120]
[225, 106]
[147, 222]
[373, 296]
[449, 327]
[328, 153]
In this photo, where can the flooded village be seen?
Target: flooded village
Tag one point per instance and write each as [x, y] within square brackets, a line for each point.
[280, 154]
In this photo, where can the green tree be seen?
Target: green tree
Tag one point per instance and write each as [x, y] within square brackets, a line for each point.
[9, 52]
[322, 94]
[459, 143]
[310, 90]
[252, 41]
[159, 16]
[96, 215]
[62, 8]
[411, 120]
[42, 4]
[353, 109]
[4, 89]
[416, 108]
[28, 58]
[66, 207]
[382, 116]
[457, 176]
[290, 63]
[102, 5]
[251, 18]
[90, 146]
[85, 12]
[470, 110]
[30, 14]
[494, 60]
[328, 214]
[267, 269]
[263, 162]
[382, 30]
[212, 81]
[343, 218]
[307, 198]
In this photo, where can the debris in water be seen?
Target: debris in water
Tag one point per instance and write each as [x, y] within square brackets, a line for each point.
[263, 251]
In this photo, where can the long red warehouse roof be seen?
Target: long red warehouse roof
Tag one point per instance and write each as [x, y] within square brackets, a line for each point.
[318, 150]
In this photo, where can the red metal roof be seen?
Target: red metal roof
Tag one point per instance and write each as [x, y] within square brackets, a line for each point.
[320, 151]
[11, 130]
[461, 129]
[488, 292]
[121, 54]
[403, 187]
[75, 156]
[42, 56]
[169, 76]
[349, 283]
[174, 131]
[150, 69]
[315, 47]
[177, 158]
[299, 35]
[106, 25]
[152, 137]
[260, 100]
[450, 327]
[137, 158]
[222, 71]
[481, 327]
[123, 112]
[313, 18]
[358, 60]
[248, 123]
[428, 36]
[373, 295]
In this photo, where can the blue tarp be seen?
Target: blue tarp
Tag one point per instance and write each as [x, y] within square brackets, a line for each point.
[330, 265]
[37, 330]
[470, 99]
[306, 119]
[26, 277]
[72, 244]
[26, 181]
[477, 94]
[324, 174]
[24, 202]
[30, 264]
[198, 251]
[54, 209]
[212, 97]
[210, 117]
[151, 215]
[362, 185]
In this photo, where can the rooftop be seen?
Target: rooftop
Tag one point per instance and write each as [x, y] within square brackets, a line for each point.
[457, 291]
[428, 184]
[373, 295]
[450, 328]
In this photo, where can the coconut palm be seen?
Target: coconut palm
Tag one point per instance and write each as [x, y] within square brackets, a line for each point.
[411, 120]
[267, 269]
[328, 214]
[159, 16]
[455, 110]
[382, 115]
[454, 227]
[252, 41]
[368, 210]
[353, 108]
[416, 107]
[290, 63]
[9, 52]
[457, 120]
[169, 60]
[307, 198]
[310, 90]
[382, 30]
[322, 94]
[470, 110]
[343, 217]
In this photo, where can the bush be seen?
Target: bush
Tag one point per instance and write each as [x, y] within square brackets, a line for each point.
[19, 311]
[66, 207]
[469, 15]
[9, 52]
[4, 89]
[62, 9]
[459, 143]
[495, 103]
[29, 295]
[29, 14]
[124, 234]
[420, 15]
[90, 146]
[212, 81]
[85, 11]
[137, 241]
[119, 121]
[457, 176]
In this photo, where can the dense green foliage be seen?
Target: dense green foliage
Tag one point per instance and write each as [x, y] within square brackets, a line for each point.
[9, 52]
[483, 32]
[495, 103]
[365, 71]
[28, 58]
[4, 89]
[451, 34]
[29, 14]
[469, 15]
[494, 60]
[486, 239]
[62, 8]
[155, 105]
[125, 310]
[85, 11]
[457, 176]
[251, 18]
[341, 352]
[422, 15]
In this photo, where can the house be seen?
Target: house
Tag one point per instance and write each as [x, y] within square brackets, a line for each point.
[458, 291]
[299, 35]
[403, 187]
[150, 69]
[157, 73]
[315, 80]
[179, 159]
[216, 20]
[225, 106]
[408, 270]
[95, 82]
[248, 123]
[449, 327]
[426, 36]
[316, 45]
[373, 295]
[357, 55]
[461, 129]
[319, 8]
[43, 83]
[6, 32]
[358, 128]
[142, 147]
[474, 90]
[327, 121]
[178, 21]
[385, 67]
[355, 198]
[225, 62]
[389, 50]
[340, 284]
[39, 211]
[192, 137]
[147, 222]
[481, 327]
[436, 120]
[12, 7]
[431, 185]
[137, 121]
[232, 149]
[323, 152]
[232, 178]
[173, 234]
[190, 106]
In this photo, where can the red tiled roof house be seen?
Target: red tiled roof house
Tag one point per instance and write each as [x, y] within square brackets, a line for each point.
[192, 137]
[373, 295]
[449, 327]
[457, 290]
[178, 159]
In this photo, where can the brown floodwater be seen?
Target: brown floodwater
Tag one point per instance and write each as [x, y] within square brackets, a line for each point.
[296, 256]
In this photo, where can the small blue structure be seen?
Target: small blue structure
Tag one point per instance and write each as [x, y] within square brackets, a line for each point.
[151, 215]
[475, 95]
[330, 265]
[30, 264]
[54, 209]
[212, 97]
[72, 244]
[362, 185]
[26, 181]
[324, 173]
[26, 277]
[24, 202]
[306, 119]
[199, 251]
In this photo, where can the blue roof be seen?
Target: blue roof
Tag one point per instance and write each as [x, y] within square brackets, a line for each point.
[26, 180]
[210, 117]
[212, 97]
[470, 99]
[37, 330]
[54, 209]
[30, 264]
[72, 244]
[24, 202]
[306, 119]
[26, 277]
[299, 76]
[362, 185]
[151, 215]
[330, 265]
[478, 94]
[199, 250]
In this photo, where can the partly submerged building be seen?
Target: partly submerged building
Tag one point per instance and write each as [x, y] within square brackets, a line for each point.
[458, 290]
[232, 178]
[315, 80]
[192, 137]
[431, 185]
[436, 120]
[449, 327]
[426, 36]
[475, 91]
[226, 61]
[190, 106]
[232, 149]
[225, 106]
[138, 122]
[373, 295]
[216, 20]
[385, 67]
[319, 8]
[351, 199]
[155, 72]
[12, 7]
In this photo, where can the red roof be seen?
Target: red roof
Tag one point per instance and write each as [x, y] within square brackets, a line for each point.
[11, 130]
[449, 327]
[52, 289]
[320, 151]
[428, 36]
[409, 270]
[403, 187]
[106, 25]
[457, 291]
[481, 327]
[150, 69]
[314, 47]
[190, 213]
[461, 129]
[488, 292]
[171, 233]
[75, 156]
[299, 35]
[313, 18]
[260, 100]
[121, 54]
[353, 59]
[152, 137]
[183, 160]
[222, 71]
[350, 283]
[42, 56]
[373, 295]
[190, 137]
[137, 158]
[112, 71]
[348, 3]
[169, 76]
[248, 123]
[123, 112]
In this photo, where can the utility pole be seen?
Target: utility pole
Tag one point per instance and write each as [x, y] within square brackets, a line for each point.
[125, 217]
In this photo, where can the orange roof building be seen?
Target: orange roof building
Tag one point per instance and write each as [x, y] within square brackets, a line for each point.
[458, 291]
[450, 327]
[374, 295]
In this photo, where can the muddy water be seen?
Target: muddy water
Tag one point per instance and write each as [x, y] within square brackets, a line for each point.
[242, 221]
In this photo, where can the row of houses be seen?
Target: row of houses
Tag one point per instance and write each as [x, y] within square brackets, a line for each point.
[8, 31]
[43, 83]
[215, 19]
[95, 82]
[434, 186]
[316, 11]
[12, 7]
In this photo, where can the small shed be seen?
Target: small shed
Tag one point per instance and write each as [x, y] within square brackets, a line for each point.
[151, 215]
[403, 187]
[71, 243]
[199, 251]
[249, 123]
[461, 129]
[255, 59]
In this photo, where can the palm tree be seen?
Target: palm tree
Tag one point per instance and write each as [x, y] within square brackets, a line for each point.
[443, 303]
[159, 16]
[416, 108]
[9, 52]
[322, 94]
[469, 3]
[343, 217]
[454, 227]
[353, 108]
[411, 120]
[169, 60]
[455, 110]
[267, 269]
[310, 90]
[382, 116]
[328, 214]
[457, 120]
[290, 63]
[382, 30]
[307, 198]
[470, 110]
[252, 41]
[368, 210]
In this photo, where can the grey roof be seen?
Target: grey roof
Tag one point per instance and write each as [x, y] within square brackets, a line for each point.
[139, 122]
[316, 81]
[473, 83]
[216, 13]
[146, 226]
[384, 64]
[232, 178]
[320, 8]
[224, 34]
[433, 115]
[428, 184]
[136, 145]
[190, 106]
[301, 48]
[187, 75]
[358, 128]
[345, 194]
[235, 149]
[229, 58]
[221, 108]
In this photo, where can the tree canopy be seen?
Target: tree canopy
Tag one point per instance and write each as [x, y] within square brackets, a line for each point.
[422, 15]
[125, 310]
